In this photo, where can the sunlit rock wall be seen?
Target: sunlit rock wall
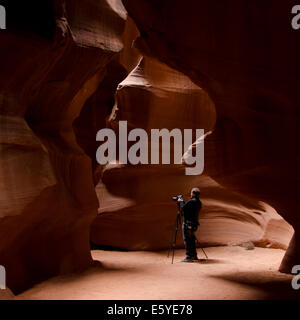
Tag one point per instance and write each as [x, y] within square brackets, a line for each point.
[245, 55]
[136, 211]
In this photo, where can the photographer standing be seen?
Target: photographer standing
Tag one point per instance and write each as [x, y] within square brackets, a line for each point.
[190, 224]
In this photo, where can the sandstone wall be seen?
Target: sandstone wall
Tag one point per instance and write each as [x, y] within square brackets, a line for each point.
[54, 56]
[245, 55]
[136, 211]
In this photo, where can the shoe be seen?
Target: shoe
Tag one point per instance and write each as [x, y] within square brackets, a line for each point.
[195, 259]
[187, 260]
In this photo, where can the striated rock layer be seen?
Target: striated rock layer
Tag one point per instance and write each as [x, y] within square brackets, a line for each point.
[136, 211]
[143, 216]
[53, 58]
[245, 55]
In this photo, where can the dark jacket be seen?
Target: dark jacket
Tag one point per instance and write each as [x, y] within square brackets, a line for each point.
[191, 210]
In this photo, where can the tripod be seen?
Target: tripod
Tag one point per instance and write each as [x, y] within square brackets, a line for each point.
[202, 248]
[174, 235]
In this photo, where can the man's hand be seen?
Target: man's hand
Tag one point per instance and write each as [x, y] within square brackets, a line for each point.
[179, 200]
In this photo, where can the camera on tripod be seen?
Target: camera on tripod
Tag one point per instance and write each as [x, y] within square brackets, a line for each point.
[178, 197]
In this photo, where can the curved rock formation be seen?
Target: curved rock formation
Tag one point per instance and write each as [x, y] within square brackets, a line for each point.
[53, 58]
[61, 62]
[142, 217]
[245, 54]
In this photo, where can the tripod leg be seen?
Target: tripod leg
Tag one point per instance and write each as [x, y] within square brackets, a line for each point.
[204, 253]
[173, 255]
[172, 238]
[174, 243]
[202, 248]
[175, 237]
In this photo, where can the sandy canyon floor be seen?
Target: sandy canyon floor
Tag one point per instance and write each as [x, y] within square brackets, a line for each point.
[230, 273]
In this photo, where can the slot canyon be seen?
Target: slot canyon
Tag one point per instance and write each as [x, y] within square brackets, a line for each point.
[71, 68]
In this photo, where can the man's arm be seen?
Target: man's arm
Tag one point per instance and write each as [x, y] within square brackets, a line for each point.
[181, 203]
[185, 205]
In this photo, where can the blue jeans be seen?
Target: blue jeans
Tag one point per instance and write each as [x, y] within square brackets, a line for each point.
[189, 242]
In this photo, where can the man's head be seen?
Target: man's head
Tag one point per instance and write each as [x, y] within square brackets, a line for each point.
[195, 192]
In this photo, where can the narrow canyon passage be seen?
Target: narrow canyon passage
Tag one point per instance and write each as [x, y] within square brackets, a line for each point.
[70, 69]
[230, 273]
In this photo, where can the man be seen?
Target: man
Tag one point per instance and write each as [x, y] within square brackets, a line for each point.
[190, 224]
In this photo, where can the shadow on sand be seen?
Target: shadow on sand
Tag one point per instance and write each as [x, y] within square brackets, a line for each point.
[209, 261]
[274, 285]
